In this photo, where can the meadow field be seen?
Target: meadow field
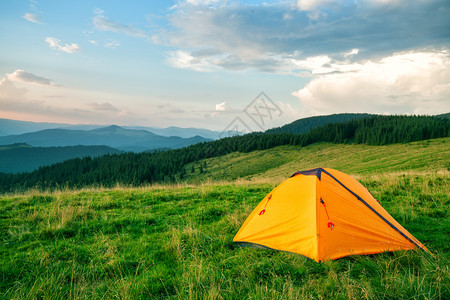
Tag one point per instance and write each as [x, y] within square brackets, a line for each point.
[175, 241]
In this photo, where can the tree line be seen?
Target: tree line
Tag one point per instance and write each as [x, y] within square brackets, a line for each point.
[304, 125]
[169, 166]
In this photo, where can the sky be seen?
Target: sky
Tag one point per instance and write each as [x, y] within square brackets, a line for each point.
[214, 64]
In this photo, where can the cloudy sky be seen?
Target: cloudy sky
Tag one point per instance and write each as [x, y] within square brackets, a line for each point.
[200, 63]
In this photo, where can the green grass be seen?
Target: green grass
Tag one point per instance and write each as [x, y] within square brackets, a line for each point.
[176, 241]
[281, 162]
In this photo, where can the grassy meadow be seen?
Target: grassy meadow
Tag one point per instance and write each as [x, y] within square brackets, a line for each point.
[277, 164]
[176, 240]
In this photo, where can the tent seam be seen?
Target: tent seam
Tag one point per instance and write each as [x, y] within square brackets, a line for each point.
[372, 209]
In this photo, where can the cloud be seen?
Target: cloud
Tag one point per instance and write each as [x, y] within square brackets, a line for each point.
[352, 52]
[112, 45]
[313, 8]
[167, 107]
[222, 106]
[267, 38]
[14, 100]
[201, 2]
[311, 4]
[8, 91]
[37, 101]
[407, 82]
[105, 106]
[26, 77]
[34, 18]
[102, 23]
[184, 60]
[177, 111]
[54, 43]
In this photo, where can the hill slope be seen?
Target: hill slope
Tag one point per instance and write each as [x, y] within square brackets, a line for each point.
[277, 164]
[18, 158]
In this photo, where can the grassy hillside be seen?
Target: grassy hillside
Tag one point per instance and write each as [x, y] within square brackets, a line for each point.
[176, 241]
[169, 241]
[278, 163]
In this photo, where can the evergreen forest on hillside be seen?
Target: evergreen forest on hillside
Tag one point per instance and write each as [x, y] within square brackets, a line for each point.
[169, 166]
[306, 124]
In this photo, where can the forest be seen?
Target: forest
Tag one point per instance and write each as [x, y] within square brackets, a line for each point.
[169, 166]
[304, 125]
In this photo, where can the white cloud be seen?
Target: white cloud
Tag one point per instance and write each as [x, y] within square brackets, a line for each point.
[26, 77]
[410, 82]
[353, 52]
[201, 2]
[9, 91]
[266, 38]
[222, 106]
[309, 5]
[105, 106]
[315, 64]
[27, 96]
[184, 60]
[112, 45]
[313, 7]
[34, 18]
[54, 43]
[102, 23]
[14, 102]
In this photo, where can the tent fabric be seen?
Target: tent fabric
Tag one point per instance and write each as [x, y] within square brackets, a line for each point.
[323, 214]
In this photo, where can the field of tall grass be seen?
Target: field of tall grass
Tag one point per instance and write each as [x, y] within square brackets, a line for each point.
[176, 241]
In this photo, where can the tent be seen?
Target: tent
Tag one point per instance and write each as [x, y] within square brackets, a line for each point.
[323, 214]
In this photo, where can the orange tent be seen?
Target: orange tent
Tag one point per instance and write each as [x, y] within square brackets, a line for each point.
[323, 214]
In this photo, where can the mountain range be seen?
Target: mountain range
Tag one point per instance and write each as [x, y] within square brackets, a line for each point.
[15, 127]
[112, 136]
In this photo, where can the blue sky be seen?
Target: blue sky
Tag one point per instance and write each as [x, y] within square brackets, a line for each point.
[199, 63]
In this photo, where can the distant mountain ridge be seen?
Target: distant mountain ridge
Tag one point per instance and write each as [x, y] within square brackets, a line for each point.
[15, 127]
[180, 131]
[18, 158]
[112, 136]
